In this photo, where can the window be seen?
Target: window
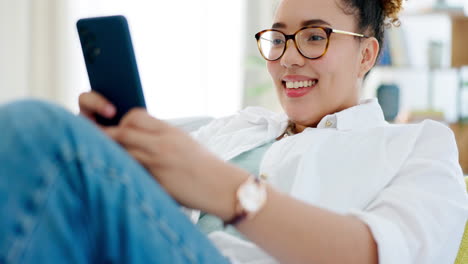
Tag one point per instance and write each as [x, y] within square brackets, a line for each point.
[189, 53]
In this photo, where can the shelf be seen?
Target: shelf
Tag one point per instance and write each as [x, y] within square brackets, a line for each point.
[459, 41]
[451, 11]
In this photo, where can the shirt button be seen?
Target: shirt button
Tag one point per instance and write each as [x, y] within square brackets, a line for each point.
[263, 176]
[328, 123]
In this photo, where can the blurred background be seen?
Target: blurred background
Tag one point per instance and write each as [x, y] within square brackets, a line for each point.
[421, 73]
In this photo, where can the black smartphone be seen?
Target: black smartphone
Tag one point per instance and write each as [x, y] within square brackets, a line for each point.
[111, 64]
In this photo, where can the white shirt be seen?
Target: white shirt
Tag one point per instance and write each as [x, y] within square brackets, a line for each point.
[403, 181]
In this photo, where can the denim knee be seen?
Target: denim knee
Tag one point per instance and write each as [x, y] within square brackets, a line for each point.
[32, 143]
[39, 122]
[31, 116]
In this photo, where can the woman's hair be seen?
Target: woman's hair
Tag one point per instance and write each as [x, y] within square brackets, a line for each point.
[373, 16]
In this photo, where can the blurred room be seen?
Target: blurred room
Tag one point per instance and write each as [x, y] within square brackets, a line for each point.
[421, 73]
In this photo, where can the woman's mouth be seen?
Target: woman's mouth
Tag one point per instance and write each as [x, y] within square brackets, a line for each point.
[299, 88]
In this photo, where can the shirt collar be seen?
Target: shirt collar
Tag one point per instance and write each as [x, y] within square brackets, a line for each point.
[366, 114]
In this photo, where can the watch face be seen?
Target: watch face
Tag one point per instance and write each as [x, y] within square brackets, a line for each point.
[252, 196]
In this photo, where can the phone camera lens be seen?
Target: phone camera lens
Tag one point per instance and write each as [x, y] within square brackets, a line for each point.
[96, 52]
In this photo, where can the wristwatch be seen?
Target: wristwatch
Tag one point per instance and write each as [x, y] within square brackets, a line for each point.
[251, 197]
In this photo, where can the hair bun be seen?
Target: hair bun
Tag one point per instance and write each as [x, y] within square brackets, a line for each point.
[391, 9]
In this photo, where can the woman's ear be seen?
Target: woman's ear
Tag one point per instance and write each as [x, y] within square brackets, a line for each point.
[369, 52]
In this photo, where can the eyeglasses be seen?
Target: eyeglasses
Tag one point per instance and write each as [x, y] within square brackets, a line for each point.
[311, 42]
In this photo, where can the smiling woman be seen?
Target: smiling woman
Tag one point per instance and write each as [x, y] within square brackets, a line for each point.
[340, 72]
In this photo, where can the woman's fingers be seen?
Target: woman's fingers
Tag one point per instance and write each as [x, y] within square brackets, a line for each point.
[139, 118]
[142, 157]
[131, 138]
[92, 103]
[110, 131]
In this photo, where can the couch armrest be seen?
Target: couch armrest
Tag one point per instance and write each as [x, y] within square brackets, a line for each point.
[190, 124]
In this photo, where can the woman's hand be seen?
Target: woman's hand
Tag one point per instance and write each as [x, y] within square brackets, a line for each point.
[189, 172]
[92, 103]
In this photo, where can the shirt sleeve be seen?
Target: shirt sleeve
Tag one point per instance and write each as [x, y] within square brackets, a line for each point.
[206, 132]
[420, 216]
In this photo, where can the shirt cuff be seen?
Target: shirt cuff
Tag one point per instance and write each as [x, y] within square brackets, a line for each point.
[391, 244]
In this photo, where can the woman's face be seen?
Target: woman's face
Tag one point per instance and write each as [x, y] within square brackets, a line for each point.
[337, 75]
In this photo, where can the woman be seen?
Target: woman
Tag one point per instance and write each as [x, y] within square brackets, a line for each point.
[338, 184]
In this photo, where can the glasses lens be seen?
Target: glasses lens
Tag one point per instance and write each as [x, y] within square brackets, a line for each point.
[312, 42]
[271, 44]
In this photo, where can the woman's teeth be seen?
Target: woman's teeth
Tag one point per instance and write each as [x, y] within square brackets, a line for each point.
[297, 85]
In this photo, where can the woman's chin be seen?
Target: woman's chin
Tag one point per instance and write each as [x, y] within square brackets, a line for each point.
[301, 117]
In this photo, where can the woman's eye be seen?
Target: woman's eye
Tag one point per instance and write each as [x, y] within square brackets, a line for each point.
[316, 38]
[277, 42]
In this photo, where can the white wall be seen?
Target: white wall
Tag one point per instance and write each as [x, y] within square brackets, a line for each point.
[35, 52]
[13, 49]
[190, 53]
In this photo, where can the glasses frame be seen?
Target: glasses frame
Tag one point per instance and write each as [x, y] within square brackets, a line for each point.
[327, 30]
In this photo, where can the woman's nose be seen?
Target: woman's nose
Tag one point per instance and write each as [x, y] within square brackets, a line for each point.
[292, 57]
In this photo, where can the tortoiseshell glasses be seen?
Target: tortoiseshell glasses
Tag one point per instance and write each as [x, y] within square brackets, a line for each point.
[311, 42]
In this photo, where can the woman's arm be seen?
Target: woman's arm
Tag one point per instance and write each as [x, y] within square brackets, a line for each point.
[295, 232]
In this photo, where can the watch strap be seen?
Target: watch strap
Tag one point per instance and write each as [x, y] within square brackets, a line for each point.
[236, 219]
[241, 213]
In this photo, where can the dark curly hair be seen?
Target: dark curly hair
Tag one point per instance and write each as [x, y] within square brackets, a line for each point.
[374, 16]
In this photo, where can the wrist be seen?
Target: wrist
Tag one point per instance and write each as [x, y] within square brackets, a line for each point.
[251, 197]
[229, 204]
[226, 180]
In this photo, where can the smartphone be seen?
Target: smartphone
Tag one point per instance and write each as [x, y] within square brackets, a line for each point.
[110, 62]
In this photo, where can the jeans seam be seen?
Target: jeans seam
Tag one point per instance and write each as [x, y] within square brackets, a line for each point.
[19, 245]
[160, 224]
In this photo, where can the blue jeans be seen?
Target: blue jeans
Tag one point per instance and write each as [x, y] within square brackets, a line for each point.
[69, 194]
